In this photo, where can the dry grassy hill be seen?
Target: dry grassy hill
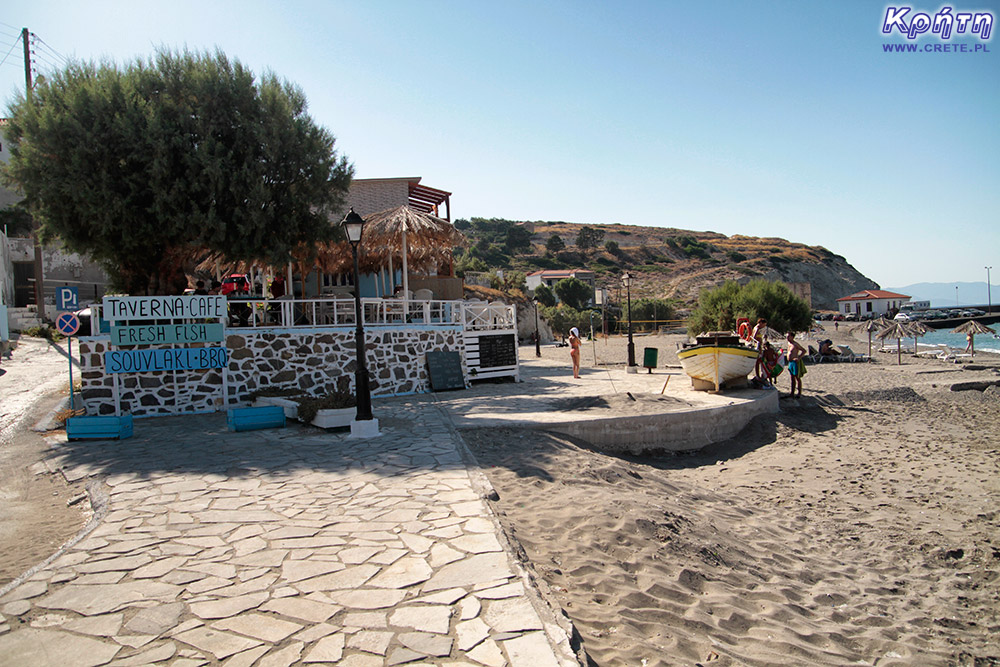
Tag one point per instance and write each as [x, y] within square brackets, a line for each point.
[679, 264]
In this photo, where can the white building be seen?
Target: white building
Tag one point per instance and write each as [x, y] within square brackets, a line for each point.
[872, 302]
[550, 277]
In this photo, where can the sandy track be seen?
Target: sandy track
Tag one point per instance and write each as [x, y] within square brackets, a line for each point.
[859, 526]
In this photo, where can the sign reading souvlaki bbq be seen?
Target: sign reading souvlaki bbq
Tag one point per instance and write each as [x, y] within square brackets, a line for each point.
[164, 307]
[945, 23]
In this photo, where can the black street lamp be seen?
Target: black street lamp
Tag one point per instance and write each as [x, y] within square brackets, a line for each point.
[538, 344]
[627, 282]
[353, 225]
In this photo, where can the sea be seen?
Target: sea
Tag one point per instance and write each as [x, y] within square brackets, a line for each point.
[982, 343]
[957, 342]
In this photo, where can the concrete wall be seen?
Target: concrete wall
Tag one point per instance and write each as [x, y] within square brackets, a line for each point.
[62, 267]
[309, 359]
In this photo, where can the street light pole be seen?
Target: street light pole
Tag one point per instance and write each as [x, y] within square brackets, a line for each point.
[627, 282]
[353, 225]
[989, 298]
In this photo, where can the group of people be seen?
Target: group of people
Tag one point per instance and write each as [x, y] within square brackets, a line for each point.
[769, 359]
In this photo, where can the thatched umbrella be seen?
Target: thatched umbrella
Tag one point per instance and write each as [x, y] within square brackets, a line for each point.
[971, 328]
[916, 330]
[773, 334]
[413, 236]
[898, 331]
[870, 327]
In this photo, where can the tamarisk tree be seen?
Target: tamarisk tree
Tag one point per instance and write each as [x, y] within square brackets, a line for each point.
[139, 166]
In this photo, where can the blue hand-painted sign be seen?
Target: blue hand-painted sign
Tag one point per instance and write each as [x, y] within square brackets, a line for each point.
[175, 359]
[67, 298]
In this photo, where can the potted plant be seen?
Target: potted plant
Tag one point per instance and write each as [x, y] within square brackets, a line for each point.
[334, 409]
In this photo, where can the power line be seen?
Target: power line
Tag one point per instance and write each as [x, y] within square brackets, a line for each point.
[48, 46]
[10, 51]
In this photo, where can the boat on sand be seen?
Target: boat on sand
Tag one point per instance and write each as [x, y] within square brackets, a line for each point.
[717, 361]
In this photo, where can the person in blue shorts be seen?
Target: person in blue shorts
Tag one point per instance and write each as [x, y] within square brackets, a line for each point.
[796, 364]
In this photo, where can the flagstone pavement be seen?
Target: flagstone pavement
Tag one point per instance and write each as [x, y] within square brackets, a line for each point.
[280, 547]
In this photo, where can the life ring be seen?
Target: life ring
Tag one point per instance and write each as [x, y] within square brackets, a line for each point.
[744, 331]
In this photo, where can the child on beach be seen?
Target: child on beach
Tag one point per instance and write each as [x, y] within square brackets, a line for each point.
[757, 336]
[796, 364]
[574, 350]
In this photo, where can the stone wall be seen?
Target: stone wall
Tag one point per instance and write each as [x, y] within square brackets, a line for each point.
[309, 359]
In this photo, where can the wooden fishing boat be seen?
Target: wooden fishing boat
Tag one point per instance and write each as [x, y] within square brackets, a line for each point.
[717, 361]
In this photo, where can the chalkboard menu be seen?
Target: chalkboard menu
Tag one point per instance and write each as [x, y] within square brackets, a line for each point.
[445, 369]
[497, 351]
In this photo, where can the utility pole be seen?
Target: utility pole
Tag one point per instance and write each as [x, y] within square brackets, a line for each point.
[39, 278]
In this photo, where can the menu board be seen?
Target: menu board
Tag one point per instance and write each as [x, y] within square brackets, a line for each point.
[445, 369]
[497, 351]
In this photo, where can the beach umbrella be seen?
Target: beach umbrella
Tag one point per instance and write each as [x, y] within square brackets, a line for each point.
[898, 331]
[773, 334]
[870, 327]
[412, 237]
[971, 328]
[916, 330]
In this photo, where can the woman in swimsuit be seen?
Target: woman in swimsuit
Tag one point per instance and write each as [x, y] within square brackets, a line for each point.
[574, 350]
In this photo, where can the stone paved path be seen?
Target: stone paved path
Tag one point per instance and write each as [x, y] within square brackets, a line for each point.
[280, 547]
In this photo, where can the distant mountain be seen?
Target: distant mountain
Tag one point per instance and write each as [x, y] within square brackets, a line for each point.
[666, 262]
[944, 294]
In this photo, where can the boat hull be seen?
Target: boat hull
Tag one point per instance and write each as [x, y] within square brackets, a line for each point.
[716, 366]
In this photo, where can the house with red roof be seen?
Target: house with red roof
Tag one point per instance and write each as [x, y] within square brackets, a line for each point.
[871, 303]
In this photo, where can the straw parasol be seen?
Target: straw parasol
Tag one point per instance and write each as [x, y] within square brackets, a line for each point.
[773, 334]
[898, 331]
[916, 329]
[870, 327]
[971, 328]
[412, 237]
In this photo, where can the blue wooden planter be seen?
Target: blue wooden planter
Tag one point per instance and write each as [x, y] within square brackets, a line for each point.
[99, 428]
[249, 419]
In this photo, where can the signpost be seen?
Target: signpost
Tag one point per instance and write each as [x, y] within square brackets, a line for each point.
[68, 324]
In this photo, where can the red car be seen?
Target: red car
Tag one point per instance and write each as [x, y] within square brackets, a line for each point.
[237, 283]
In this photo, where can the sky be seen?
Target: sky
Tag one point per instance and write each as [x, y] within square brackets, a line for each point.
[783, 119]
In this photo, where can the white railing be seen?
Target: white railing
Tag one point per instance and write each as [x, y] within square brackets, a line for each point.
[376, 312]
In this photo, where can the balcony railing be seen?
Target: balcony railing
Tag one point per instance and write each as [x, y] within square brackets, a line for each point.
[376, 312]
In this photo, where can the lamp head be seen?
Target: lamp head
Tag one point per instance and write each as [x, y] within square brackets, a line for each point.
[626, 279]
[353, 225]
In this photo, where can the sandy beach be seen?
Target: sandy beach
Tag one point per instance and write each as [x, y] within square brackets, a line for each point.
[858, 526]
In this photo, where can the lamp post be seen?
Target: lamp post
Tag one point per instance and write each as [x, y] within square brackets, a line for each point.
[627, 282]
[989, 298]
[538, 344]
[353, 225]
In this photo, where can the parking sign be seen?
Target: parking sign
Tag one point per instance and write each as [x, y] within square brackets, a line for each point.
[67, 298]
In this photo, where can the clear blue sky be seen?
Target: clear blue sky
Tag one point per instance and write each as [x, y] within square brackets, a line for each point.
[768, 119]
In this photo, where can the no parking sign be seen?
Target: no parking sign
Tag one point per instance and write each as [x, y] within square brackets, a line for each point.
[67, 323]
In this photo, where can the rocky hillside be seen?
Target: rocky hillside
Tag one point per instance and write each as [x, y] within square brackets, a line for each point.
[667, 262]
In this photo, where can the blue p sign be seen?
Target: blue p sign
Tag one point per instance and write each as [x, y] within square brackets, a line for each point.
[67, 298]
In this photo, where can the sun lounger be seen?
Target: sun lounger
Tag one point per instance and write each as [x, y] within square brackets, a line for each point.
[847, 354]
